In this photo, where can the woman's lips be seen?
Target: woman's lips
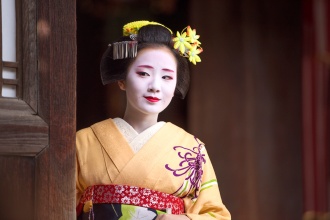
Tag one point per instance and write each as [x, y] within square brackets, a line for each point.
[152, 99]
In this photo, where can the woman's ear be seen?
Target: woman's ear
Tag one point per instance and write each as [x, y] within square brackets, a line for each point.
[121, 84]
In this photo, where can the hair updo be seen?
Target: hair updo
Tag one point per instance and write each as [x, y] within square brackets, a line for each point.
[149, 36]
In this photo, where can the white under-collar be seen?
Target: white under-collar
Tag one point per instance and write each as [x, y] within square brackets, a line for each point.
[136, 140]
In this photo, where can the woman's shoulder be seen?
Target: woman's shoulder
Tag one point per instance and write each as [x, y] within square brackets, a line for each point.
[177, 129]
[83, 131]
[87, 138]
[89, 129]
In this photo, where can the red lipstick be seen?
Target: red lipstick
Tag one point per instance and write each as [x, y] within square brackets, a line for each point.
[152, 99]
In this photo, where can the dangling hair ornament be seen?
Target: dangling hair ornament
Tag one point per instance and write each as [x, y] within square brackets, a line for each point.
[185, 42]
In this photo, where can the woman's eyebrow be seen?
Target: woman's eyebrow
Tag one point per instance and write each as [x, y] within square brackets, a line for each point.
[150, 67]
[146, 66]
[168, 70]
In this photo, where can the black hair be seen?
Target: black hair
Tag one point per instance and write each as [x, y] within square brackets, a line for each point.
[149, 36]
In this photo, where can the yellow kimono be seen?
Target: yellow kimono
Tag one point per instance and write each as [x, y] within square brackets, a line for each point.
[170, 161]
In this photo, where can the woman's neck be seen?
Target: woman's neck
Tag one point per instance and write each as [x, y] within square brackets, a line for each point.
[140, 122]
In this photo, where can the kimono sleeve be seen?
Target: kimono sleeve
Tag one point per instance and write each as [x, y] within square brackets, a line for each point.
[79, 188]
[208, 204]
[81, 137]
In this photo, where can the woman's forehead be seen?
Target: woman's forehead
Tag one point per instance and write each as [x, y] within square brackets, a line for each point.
[155, 56]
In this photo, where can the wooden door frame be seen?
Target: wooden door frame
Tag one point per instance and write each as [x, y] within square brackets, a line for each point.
[38, 130]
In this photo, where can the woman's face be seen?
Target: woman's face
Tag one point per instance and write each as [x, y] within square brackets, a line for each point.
[150, 81]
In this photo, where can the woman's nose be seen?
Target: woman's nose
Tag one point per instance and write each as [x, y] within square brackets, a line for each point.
[154, 85]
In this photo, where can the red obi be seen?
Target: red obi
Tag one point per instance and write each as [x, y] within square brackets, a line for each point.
[131, 195]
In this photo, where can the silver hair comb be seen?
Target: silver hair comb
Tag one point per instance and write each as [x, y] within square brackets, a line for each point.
[124, 49]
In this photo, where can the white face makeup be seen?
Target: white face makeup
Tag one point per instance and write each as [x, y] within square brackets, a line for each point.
[150, 82]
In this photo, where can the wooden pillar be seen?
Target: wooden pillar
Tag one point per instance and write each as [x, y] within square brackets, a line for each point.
[316, 108]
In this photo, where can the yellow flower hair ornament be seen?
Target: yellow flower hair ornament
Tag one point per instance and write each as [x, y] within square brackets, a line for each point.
[188, 45]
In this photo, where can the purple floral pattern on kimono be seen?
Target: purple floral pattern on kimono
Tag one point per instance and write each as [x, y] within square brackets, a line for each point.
[191, 166]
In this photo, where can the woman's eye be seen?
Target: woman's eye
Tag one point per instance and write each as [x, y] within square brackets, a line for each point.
[142, 74]
[167, 77]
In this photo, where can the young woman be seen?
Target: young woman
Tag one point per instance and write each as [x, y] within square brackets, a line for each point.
[137, 167]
